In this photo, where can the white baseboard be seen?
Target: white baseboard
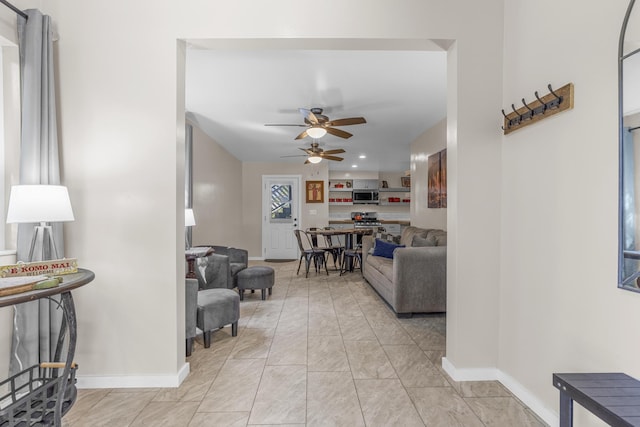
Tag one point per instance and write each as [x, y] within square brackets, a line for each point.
[134, 381]
[256, 258]
[547, 415]
[518, 390]
[475, 374]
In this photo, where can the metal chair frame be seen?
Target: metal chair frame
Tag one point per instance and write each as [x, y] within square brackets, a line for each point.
[309, 254]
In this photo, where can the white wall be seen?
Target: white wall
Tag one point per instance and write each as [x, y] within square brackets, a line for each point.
[217, 193]
[121, 112]
[560, 308]
[430, 142]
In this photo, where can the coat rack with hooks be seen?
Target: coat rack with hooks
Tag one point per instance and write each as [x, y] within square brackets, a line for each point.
[548, 105]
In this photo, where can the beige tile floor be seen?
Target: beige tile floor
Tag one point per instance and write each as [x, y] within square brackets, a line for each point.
[322, 351]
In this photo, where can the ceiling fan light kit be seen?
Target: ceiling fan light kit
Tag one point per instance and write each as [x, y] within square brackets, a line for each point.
[316, 132]
[315, 154]
[318, 125]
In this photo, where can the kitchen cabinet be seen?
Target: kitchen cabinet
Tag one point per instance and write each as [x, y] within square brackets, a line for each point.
[365, 184]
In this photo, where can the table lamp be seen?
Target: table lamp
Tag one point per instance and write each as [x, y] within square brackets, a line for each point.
[189, 221]
[41, 204]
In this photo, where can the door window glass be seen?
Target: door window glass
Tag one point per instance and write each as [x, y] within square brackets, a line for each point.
[280, 203]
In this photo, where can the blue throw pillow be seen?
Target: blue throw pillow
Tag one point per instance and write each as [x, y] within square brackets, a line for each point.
[385, 249]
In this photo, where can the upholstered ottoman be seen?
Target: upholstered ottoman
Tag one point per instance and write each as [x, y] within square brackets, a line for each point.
[216, 308]
[256, 277]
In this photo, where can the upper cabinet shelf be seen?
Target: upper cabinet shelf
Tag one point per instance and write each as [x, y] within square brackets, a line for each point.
[341, 185]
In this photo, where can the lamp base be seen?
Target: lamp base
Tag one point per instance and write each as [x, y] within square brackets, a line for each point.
[43, 248]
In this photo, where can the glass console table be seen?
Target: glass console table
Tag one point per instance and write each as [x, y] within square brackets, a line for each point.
[43, 393]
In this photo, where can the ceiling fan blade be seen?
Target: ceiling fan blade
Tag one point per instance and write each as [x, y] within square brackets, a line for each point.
[295, 155]
[278, 124]
[309, 116]
[336, 151]
[338, 132]
[347, 122]
[302, 135]
[306, 150]
[337, 159]
[307, 162]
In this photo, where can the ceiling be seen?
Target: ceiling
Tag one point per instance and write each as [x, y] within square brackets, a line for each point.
[232, 93]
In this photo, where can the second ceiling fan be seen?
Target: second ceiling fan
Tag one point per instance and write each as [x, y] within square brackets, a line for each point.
[318, 124]
[315, 154]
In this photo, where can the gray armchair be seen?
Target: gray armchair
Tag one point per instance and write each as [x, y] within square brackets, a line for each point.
[191, 310]
[220, 269]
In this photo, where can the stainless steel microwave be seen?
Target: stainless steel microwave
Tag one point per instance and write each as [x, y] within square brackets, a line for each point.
[365, 196]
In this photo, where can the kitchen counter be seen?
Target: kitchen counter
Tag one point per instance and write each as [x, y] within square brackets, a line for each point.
[395, 221]
[382, 221]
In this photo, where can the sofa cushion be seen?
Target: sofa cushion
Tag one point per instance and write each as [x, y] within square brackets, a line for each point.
[438, 237]
[419, 241]
[407, 234]
[383, 265]
[385, 249]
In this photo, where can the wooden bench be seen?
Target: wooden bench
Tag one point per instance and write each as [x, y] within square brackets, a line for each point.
[612, 397]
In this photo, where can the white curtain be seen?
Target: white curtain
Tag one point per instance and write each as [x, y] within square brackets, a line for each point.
[630, 266]
[36, 324]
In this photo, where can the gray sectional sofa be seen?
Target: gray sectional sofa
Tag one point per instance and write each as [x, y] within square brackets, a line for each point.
[414, 280]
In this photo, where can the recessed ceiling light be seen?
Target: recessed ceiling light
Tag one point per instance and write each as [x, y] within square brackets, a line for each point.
[362, 156]
[354, 166]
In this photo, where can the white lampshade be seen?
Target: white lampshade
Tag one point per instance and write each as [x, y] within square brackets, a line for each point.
[39, 203]
[189, 219]
[316, 132]
[314, 159]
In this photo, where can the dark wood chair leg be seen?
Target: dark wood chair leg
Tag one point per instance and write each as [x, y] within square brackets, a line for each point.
[234, 329]
[264, 294]
[207, 339]
[271, 291]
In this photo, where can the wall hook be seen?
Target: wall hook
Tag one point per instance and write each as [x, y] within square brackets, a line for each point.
[527, 115]
[516, 120]
[543, 105]
[506, 120]
[554, 103]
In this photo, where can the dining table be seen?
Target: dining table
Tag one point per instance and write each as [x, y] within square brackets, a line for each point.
[348, 234]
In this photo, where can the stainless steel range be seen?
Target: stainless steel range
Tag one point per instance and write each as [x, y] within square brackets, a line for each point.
[365, 220]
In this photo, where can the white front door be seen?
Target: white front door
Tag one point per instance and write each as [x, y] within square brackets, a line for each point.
[280, 216]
